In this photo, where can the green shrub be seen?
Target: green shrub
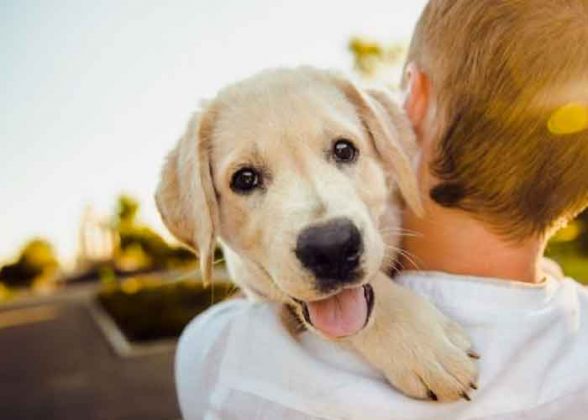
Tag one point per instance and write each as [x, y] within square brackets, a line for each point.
[147, 309]
[569, 247]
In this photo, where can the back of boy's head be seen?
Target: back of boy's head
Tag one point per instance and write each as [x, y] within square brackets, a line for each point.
[510, 80]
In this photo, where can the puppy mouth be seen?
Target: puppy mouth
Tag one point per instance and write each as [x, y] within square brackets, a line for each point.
[342, 314]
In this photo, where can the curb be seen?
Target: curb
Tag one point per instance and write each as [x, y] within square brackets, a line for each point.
[119, 344]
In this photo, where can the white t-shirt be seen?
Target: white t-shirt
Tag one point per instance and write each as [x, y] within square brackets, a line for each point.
[236, 361]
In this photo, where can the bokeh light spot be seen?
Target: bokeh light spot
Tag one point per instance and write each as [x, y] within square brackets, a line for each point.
[569, 119]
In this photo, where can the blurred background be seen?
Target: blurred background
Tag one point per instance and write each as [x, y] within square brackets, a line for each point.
[93, 293]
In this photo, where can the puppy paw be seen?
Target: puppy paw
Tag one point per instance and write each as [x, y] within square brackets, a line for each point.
[420, 351]
[439, 366]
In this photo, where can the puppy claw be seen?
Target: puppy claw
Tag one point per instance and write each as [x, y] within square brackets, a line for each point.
[473, 386]
[431, 395]
[473, 355]
[465, 396]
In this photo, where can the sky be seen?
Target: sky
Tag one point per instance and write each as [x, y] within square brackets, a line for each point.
[94, 93]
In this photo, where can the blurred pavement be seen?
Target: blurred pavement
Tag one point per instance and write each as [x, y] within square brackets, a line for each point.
[55, 363]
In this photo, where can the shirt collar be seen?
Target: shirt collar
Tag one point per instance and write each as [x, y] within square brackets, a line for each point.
[461, 291]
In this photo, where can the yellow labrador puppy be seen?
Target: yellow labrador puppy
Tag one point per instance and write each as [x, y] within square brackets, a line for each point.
[297, 172]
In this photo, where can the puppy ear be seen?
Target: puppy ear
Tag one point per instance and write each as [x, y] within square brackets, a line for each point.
[392, 135]
[185, 196]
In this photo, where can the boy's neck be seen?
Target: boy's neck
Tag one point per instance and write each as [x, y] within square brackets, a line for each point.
[453, 242]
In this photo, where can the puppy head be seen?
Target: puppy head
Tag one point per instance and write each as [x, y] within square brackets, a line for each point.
[295, 170]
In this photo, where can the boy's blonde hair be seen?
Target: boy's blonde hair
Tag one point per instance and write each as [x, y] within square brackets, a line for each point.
[510, 80]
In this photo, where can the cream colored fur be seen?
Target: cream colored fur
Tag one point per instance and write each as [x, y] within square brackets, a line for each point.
[285, 122]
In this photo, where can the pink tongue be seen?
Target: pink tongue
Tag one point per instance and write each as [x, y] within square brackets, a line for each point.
[340, 315]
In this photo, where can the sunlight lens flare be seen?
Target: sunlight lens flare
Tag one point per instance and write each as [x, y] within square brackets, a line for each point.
[569, 119]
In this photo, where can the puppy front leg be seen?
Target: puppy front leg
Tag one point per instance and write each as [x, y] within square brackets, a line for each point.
[420, 351]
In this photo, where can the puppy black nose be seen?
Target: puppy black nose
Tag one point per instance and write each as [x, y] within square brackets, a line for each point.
[331, 251]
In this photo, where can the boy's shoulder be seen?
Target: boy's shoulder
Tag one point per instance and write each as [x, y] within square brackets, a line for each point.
[237, 358]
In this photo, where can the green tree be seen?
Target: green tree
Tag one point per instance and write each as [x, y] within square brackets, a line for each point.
[140, 246]
[127, 209]
[372, 58]
[37, 260]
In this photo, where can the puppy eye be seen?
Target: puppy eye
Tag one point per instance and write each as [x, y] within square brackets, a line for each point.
[245, 180]
[344, 151]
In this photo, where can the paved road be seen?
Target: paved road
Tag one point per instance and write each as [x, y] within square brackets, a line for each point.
[56, 364]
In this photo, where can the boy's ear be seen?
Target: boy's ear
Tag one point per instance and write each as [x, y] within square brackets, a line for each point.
[185, 196]
[393, 137]
[417, 95]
